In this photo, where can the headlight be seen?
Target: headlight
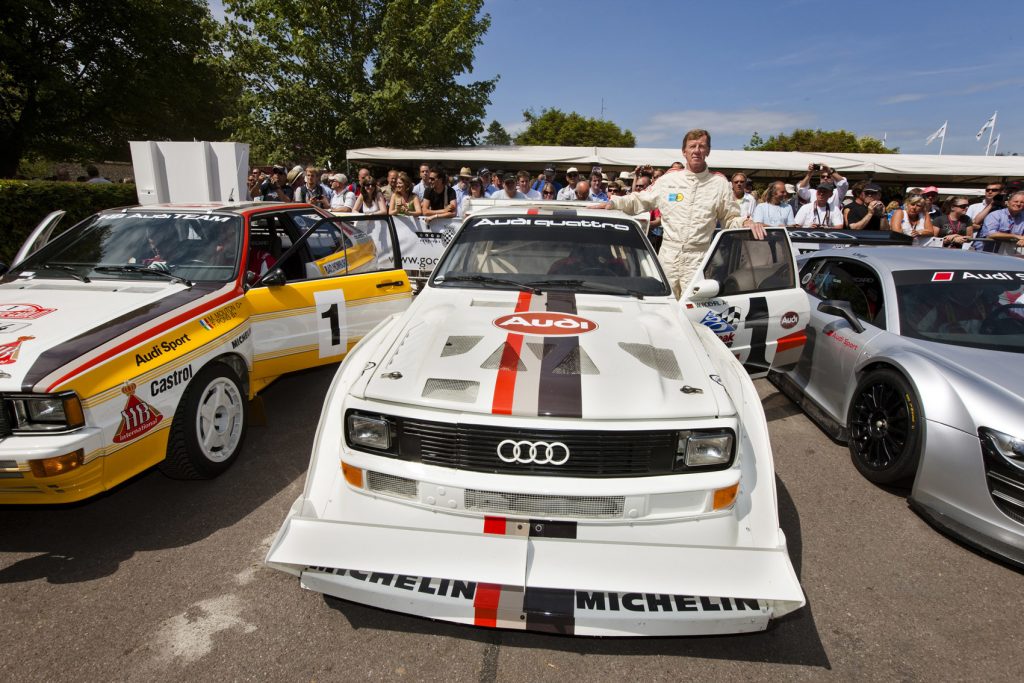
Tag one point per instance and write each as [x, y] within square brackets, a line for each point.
[369, 431]
[704, 449]
[1011, 448]
[37, 413]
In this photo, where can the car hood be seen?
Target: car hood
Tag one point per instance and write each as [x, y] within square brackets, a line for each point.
[1000, 369]
[555, 354]
[44, 322]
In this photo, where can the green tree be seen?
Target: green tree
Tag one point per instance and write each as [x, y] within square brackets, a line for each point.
[555, 127]
[807, 140]
[497, 135]
[323, 78]
[80, 78]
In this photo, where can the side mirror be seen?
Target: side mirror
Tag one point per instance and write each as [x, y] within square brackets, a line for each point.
[274, 278]
[704, 289]
[842, 310]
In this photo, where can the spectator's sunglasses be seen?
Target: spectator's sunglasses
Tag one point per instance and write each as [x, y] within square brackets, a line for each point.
[993, 189]
[960, 206]
[547, 193]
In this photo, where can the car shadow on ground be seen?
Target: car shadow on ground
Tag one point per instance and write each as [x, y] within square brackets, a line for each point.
[89, 540]
[793, 639]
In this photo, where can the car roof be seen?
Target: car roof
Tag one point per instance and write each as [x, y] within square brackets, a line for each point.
[237, 208]
[528, 208]
[893, 259]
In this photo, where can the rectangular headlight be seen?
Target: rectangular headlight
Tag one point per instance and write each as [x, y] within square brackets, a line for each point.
[44, 412]
[705, 449]
[368, 431]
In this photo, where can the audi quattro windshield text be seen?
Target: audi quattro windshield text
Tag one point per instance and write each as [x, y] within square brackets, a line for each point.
[549, 223]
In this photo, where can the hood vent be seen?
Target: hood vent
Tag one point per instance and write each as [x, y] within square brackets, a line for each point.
[576, 362]
[500, 361]
[456, 346]
[662, 360]
[459, 390]
[487, 302]
[598, 309]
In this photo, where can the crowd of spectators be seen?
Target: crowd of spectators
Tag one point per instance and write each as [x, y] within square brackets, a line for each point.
[828, 203]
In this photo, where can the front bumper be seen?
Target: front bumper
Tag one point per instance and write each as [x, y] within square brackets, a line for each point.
[18, 485]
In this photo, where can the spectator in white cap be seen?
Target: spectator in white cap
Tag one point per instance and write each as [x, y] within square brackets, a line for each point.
[549, 177]
[568, 193]
[342, 198]
[820, 213]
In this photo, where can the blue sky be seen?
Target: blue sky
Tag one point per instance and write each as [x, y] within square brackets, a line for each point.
[898, 68]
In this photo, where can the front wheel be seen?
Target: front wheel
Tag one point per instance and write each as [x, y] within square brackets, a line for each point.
[209, 425]
[886, 428]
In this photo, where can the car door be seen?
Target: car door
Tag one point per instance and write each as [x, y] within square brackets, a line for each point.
[319, 284]
[757, 309]
[835, 346]
[40, 235]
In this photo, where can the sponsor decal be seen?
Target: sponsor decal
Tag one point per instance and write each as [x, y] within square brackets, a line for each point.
[545, 323]
[789, 320]
[164, 216]
[221, 316]
[728, 339]
[168, 382]
[9, 351]
[718, 323]
[332, 267]
[944, 276]
[160, 349]
[23, 311]
[8, 328]
[537, 452]
[710, 303]
[445, 588]
[841, 340]
[659, 602]
[675, 196]
[240, 339]
[553, 223]
[137, 416]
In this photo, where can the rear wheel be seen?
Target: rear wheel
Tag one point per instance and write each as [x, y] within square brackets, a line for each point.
[209, 425]
[886, 428]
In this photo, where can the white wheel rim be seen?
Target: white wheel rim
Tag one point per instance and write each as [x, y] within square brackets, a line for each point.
[219, 420]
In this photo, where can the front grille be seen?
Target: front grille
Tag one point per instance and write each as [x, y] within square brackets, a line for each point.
[591, 453]
[589, 507]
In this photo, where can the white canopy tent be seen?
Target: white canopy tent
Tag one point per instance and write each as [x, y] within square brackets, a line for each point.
[928, 169]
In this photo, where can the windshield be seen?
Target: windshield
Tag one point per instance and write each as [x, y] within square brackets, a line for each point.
[979, 309]
[552, 251]
[195, 247]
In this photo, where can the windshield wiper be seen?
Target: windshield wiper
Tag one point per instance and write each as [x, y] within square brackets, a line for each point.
[63, 269]
[488, 280]
[136, 268]
[587, 285]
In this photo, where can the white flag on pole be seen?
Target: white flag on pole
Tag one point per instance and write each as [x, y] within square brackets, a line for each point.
[940, 133]
[995, 145]
[988, 124]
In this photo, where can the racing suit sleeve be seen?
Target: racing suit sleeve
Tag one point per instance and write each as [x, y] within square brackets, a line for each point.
[637, 202]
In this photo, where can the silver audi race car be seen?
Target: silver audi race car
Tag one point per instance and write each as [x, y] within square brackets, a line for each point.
[913, 358]
[548, 440]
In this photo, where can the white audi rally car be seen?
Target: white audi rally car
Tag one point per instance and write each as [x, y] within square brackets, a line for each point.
[547, 440]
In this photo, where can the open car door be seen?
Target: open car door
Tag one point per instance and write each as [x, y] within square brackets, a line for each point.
[746, 291]
[40, 236]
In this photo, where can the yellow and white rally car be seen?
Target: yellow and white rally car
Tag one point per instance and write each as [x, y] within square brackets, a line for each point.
[138, 336]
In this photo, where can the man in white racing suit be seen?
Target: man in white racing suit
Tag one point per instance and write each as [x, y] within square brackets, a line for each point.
[692, 202]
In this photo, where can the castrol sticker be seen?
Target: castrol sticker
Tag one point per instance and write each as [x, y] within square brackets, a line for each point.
[545, 324]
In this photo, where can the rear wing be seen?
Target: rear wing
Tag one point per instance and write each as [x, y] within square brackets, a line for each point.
[805, 241]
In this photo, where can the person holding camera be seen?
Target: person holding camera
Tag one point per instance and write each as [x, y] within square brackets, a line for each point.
[820, 213]
[828, 176]
[867, 211]
[275, 188]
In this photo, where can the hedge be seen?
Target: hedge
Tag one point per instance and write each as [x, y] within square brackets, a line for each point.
[26, 202]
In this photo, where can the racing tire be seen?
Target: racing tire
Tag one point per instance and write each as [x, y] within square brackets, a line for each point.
[209, 425]
[886, 426]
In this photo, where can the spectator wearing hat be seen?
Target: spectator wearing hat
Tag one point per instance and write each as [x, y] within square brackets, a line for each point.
[793, 201]
[462, 184]
[827, 175]
[342, 198]
[549, 177]
[509, 189]
[439, 197]
[746, 200]
[867, 212]
[938, 218]
[820, 213]
[523, 185]
[568, 193]
[294, 178]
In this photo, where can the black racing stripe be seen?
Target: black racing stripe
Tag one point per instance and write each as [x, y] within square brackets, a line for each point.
[550, 609]
[545, 528]
[560, 394]
[757, 322]
[62, 354]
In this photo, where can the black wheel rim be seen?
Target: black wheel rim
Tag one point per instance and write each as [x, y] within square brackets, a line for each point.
[880, 426]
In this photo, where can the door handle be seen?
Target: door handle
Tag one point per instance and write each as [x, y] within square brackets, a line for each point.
[396, 283]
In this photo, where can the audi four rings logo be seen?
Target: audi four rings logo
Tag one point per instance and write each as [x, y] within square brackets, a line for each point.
[537, 452]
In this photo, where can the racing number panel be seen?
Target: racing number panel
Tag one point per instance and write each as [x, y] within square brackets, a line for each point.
[313, 318]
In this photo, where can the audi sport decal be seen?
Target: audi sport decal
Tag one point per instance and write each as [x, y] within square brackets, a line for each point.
[545, 324]
[137, 417]
[555, 610]
[9, 351]
[160, 348]
[23, 311]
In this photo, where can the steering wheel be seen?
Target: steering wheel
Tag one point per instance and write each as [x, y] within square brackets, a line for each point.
[997, 322]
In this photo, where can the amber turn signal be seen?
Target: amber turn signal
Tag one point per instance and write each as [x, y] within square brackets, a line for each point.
[60, 464]
[353, 475]
[725, 497]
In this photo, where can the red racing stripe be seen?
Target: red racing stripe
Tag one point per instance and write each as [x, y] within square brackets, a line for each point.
[505, 386]
[485, 604]
[791, 341]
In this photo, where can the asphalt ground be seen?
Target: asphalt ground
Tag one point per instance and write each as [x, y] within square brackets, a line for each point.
[163, 580]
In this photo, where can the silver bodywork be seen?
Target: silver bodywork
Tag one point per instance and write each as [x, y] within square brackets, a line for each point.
[976, 498]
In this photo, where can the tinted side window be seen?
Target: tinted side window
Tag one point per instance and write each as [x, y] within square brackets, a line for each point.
[855, 284]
